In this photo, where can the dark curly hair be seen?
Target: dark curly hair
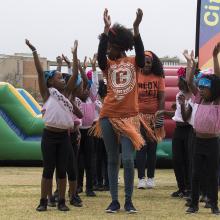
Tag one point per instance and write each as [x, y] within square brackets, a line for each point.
[121, 36]
[157, 66]
[215, 87]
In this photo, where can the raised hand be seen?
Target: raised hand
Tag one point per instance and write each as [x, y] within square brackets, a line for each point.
[107, 19]
[93, 62]
[80, 66]
[30, 45]
[74, 48]
[187, 55]
[66, 60]
[59, 60]
[138, 19]
[85, 63]
[41, 80]
[216, 50]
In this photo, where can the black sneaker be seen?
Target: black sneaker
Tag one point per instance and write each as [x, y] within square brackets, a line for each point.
[56, 195]
[51, 202]
[189, 199]
[62, 206]
[98, 188]
[192, 209]
[90, 193]
[75, 202]
[215, 210]
[42, 206]
[79, 189]
[106, 188]
[78, 197]
[113, 207]
[188, 203]
[129, 207]
[186, 194]
[203, 199]
[208, 205]
[178, 193]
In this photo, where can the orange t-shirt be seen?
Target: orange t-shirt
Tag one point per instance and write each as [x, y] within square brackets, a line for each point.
[122, 95]
[148, 88]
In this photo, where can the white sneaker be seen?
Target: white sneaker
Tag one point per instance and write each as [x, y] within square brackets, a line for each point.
[142, 184]
[150, 183]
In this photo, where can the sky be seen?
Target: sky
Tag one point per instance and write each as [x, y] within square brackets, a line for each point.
[168, 26]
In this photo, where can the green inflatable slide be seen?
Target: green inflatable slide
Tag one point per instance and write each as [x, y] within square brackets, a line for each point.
[20, 126]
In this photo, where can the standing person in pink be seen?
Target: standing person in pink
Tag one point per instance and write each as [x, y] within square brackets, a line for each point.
[206, 123]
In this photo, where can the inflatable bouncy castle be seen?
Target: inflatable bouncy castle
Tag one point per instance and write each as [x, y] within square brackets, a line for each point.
[164, 149]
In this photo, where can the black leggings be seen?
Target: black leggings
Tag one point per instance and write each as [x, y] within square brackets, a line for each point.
[55, 147]
[147, 152]
[101, 162]
[72, 162]
[85, 159]
[180, 151]
[206, 153]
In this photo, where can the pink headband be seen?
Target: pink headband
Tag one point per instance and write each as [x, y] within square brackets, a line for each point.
[89, 74]
[181, 72]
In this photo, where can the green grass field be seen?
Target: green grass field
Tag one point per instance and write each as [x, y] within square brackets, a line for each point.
[20, 193]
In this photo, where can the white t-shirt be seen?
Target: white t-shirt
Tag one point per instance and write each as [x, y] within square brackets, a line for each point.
[178, 116]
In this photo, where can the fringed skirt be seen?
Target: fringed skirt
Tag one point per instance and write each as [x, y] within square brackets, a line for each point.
[128, 127]
[152, 132]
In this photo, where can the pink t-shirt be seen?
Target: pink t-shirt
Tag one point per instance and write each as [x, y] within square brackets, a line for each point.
[206, 117]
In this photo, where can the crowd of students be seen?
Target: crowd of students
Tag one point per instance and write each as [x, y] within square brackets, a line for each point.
[92, 125]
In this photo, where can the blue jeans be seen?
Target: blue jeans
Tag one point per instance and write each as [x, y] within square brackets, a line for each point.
[112, 149]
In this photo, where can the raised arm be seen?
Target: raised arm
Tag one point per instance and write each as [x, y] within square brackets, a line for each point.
[138, 44]
[41, 80]
[72, 81]
[93, 62]
[103, 43]
[59, 63]
[68, 63]
[83, 74]
[215, 60]
[190, 71]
